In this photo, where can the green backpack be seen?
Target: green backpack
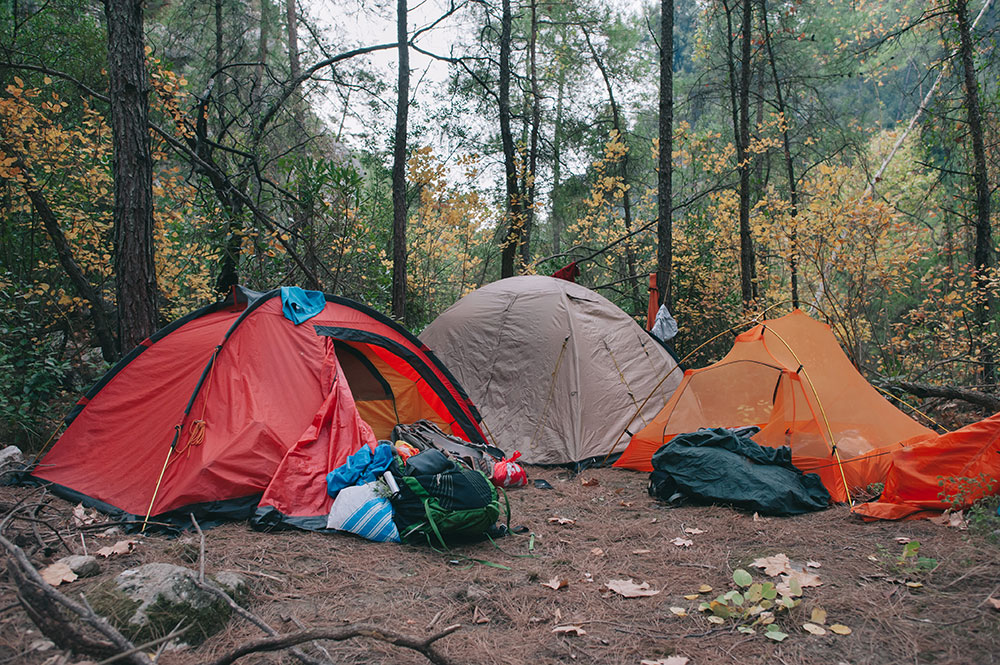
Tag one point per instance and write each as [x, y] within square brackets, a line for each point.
[443, 503]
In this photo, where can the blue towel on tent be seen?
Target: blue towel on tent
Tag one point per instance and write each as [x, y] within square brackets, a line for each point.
[300, 305]
[362, 467]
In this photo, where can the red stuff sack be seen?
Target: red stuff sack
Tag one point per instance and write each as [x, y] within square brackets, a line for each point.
[508, 473]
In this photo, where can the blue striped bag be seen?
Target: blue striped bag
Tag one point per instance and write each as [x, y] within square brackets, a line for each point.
[364, 511]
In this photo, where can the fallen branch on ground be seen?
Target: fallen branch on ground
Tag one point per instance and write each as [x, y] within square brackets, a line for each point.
[424, 646]
[949, 392]
[47, 608]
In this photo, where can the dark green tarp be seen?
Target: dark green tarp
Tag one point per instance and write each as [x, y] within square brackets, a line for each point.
[720, 466]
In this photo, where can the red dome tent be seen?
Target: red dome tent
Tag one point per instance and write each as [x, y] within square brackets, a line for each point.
[235, 411]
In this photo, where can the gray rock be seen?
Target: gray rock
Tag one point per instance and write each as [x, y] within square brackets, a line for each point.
[11, 461]
[83, 566]
[161, 595]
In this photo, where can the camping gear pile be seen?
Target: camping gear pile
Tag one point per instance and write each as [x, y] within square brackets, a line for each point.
[438, 495]
[556, 370]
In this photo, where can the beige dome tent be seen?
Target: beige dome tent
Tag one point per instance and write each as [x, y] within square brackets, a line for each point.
[557, 370]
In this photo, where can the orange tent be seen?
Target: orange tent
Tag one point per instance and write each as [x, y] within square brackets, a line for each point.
[963, 466]
[789, 377]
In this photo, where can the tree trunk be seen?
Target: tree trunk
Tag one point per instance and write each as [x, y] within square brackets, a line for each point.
[536, 121]
[399, 169]
[664, 223]
[789, 166]
[631, 277]
[556, 219]
[746, 242]
[984, 242]
[102, 328]
[132, 166]
[512, 235]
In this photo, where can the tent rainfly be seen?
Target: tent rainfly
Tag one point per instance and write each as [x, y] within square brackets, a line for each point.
[234, 411]
[789, 377]
[557, 371]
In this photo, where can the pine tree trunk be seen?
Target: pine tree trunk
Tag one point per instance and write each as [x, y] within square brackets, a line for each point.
[512, 234]
[536, 121]
[664, 224]
[132, 166]
[630, 269]
[746, 242]
[789, 165]
[399, 169]
[984, 242]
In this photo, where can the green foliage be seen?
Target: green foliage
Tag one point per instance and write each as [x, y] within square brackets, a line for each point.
[983, 519]
[33, 371]
[961, 492]
[754, 605]
[911, 563]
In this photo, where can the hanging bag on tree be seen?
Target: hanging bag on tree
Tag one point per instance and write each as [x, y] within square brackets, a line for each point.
[440, 501]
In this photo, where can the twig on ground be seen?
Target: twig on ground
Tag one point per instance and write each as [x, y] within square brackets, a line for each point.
[424, 646]
[201, 550]
[177, 632]
[320, 647]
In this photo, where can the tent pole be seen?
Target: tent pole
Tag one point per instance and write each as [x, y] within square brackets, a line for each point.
[156, 490]
[819, 403]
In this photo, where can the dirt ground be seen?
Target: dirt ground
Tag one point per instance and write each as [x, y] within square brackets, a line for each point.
[610, 529]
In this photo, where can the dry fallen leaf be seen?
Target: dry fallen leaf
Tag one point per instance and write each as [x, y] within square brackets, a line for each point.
[590, 482]
[682, 542]
[994, 602]
[914, 585]
[679, 611]
[121, 547]
[774, 565]
[669, 660]
[81, 516]
[630, 589]
[813, 564]
[814, 629]
[952, 520]
[803, 577]
[479, 617]
[691, 596]
[840, 629]
[569, 630]
[561, 520]
[704, 588]
[818, 615]
[627, 504]
[57, 573]
[597, 551]
[715, 619]
[641, 551]
[758, 518]
[694, 532]
[556, 583]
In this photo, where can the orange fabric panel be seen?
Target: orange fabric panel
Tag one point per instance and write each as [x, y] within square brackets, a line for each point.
[911, 484]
